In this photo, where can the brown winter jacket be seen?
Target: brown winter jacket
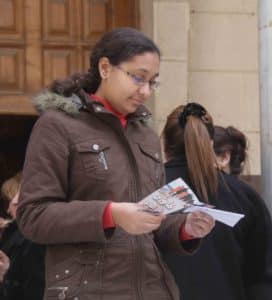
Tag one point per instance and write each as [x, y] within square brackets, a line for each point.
[79, 157]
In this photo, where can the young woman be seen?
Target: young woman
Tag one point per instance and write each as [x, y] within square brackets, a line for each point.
[90, 159]
[232, 263]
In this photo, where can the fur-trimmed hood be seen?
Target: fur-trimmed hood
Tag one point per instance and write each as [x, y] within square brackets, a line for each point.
[72, 105]
[49, 100]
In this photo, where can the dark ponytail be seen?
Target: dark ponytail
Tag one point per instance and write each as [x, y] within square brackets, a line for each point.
[74, 84]
[118, 45]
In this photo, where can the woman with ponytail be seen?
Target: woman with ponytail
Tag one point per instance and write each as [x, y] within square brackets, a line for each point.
[91, 158]
[232, 263]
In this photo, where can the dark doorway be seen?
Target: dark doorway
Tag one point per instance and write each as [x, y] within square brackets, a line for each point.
[14, 135]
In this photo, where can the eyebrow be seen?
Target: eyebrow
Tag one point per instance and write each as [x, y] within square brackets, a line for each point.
[146, 71]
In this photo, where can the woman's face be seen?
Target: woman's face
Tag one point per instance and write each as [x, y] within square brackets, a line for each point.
[128, 85]
[223, 162]
[12, 208]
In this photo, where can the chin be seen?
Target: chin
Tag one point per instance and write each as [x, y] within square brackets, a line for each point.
[129, 110]
[132, 110]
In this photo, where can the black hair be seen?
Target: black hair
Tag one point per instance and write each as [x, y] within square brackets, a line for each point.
[118, 45]
[235, 142]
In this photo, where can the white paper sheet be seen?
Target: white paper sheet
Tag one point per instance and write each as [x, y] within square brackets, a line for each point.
[226, 217]
[177, 196]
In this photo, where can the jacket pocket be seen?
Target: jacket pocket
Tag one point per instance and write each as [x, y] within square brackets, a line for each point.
[58, 292]
[151, 163]
[94, 156]
[70, 278]
[66, 272]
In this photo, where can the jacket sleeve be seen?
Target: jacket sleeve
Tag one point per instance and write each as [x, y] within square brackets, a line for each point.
[167, 237]
[44, 215]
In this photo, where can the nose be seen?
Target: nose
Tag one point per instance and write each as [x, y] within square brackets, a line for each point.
[145, 90]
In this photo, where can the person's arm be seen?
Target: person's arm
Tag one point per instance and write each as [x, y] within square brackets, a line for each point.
[181, 233]
[44, 215]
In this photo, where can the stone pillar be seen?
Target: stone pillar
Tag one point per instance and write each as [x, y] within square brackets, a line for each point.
[265, 42]
[168, 21]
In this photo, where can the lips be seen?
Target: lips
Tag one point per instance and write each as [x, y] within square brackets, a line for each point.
[137, 101]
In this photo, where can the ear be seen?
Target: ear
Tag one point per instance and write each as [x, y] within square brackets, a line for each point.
[223, 161]
[104, 67]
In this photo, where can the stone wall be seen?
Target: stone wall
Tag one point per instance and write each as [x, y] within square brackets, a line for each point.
[210, 55]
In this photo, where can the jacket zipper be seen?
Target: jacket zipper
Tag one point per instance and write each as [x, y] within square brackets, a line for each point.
[163, 273]
[135, 186]
[138, 241]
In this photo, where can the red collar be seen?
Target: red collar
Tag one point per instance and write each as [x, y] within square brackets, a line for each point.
[109, 107]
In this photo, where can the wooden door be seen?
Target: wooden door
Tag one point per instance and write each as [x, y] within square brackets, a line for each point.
[41, 40]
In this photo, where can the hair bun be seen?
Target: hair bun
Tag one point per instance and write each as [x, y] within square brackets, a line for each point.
[191, 109]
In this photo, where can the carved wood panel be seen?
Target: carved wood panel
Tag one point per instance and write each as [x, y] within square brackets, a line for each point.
[12, 70]
[11, 20]
[43, 40]
[58, 63]
[95, 18]
[59, 20]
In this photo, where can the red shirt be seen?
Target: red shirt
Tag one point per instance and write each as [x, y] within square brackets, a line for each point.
[108, 106]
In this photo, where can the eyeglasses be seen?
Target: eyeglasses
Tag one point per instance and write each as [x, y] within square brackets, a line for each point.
[140, 81]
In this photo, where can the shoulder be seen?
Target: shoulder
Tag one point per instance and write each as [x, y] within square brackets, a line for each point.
[141, 123]
[175, 169]
[54, 117]
[58, 123]
[143, 133]
[242, 186]
[247, 195]
[50, 125]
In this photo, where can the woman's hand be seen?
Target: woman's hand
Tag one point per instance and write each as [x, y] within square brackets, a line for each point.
[198, 224]
[133, 219]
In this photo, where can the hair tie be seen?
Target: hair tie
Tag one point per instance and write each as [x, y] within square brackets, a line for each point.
[196, 110]
[191, 109]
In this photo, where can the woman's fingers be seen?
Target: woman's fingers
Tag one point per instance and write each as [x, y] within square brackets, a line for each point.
[134, 219]
[199, 224]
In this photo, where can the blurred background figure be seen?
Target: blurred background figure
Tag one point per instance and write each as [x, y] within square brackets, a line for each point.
[232, 263]
[230, 146]
[22, 261]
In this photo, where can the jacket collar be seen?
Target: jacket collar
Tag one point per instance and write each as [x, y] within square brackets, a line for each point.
[82, 101]
[141, 114]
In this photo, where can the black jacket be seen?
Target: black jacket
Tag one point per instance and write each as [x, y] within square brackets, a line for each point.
[24, 279]
[232, 263]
